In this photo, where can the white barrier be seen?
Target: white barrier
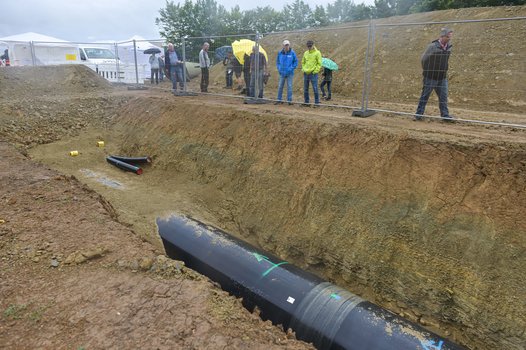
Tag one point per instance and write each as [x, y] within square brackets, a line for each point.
[126, 73]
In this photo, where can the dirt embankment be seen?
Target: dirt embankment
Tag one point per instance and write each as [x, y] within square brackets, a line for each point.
[431, 228]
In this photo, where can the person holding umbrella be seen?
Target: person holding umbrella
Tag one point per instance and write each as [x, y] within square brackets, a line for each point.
[154, 69]
[328, 67]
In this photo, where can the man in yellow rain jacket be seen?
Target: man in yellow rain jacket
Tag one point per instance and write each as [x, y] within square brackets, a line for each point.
[311, 65]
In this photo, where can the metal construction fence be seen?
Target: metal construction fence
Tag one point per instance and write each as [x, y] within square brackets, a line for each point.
[379, 66]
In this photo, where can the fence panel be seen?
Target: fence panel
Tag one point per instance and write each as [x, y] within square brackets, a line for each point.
[226, 75]
[487, 82]
[344, 45]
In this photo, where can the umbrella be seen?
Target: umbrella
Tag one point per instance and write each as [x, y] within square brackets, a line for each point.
[244, 46]
[152, 50]
[329, 64]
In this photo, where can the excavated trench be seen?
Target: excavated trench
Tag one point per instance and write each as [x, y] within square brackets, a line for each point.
[427, 226]
[432, 229]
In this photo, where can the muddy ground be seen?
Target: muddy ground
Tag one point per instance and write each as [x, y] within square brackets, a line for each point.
[425, 219]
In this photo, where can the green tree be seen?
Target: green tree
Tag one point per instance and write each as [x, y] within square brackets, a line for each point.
[234, 21]
[341, 11]
[297, 15]
[385, 8]
[176, 21]
[403, 7]
[320, 17]
[362, 11]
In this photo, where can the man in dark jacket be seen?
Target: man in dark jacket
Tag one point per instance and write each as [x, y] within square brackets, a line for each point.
[258, 68]
[435, 65]
[246, 74]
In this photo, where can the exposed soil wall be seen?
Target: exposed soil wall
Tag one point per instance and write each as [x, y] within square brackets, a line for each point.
[431, 229]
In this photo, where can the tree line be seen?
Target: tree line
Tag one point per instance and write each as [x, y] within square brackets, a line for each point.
[207, 18]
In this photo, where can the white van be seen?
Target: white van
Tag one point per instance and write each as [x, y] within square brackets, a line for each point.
[96, 55]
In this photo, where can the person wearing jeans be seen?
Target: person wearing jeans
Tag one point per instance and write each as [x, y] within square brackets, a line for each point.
[204, 63]
[441, 88]
[435, 65]
[311, 65]
[173, 64]
[154, 68]
[286, 63]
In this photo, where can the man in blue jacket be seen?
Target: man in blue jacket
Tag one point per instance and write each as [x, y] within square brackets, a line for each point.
[286, 62]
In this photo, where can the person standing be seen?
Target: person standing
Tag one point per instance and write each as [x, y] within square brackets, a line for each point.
[246, 74]
[327, 80]
[173, 64]
[154, 69]
[311, 65]
[435, 63]
[204, 63]
[238, 70]
[286, 63]
[258, 68]
[228, 63]
[5, 58]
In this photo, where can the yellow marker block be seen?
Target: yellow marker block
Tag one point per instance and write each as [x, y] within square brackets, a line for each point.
[71, 57]
[74, 153]
[100, 143]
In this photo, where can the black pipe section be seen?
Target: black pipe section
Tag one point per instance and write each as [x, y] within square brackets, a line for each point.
[124, 166]
[133, 160]
[318, 311]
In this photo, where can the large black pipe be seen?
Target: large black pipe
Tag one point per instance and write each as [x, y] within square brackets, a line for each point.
[124, 166]
[318, 311]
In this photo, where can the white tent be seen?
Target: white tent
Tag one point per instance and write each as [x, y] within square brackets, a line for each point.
[39, 49]
[31, 36]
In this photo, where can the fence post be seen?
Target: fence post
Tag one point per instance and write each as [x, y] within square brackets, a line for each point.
[183, 51]
[364, 112]
[370, 64]
[117, 62]
[255, 73]
[135, 56]
[33, 54]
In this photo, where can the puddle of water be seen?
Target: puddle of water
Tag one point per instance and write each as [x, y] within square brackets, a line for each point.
[103, 179]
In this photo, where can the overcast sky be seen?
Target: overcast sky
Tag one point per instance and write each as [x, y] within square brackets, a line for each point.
[93, 20]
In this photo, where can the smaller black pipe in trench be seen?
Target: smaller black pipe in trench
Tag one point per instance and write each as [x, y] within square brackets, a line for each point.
[317, 311]
[123, 165]
[133, 160]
